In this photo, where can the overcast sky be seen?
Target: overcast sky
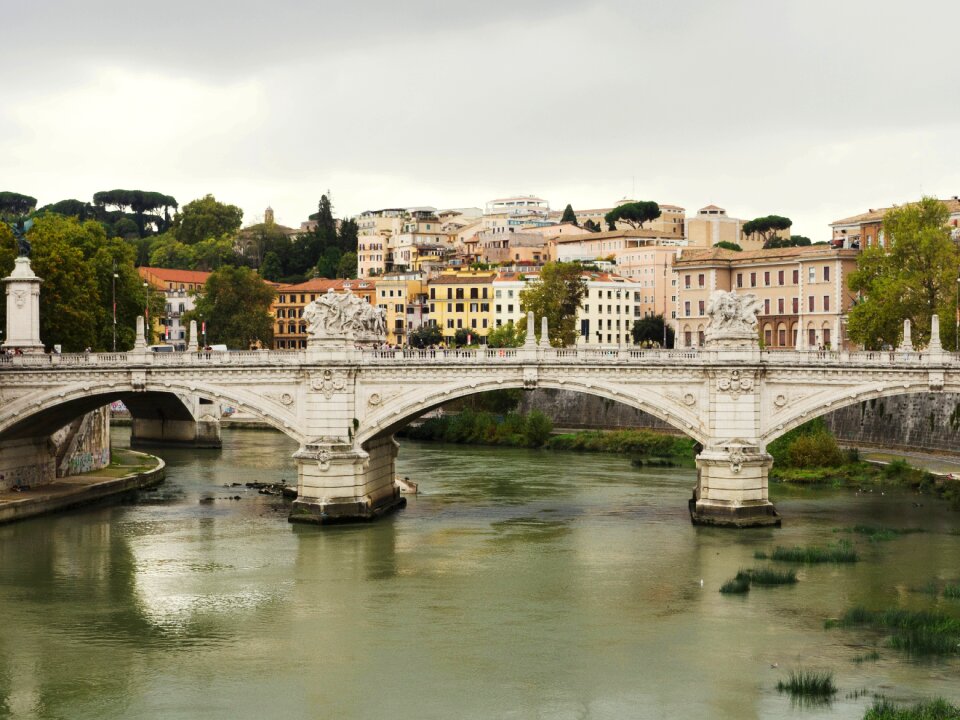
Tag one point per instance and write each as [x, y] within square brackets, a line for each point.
[811, 109]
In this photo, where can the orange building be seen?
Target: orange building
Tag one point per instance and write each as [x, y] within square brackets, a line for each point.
[179, 288]
[289, 330]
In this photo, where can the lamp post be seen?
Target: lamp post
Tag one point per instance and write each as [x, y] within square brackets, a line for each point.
[114, 288]
[146, 312]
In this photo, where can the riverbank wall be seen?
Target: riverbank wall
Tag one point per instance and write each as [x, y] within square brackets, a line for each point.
[923, 422]
[77, 490]
[79, 447]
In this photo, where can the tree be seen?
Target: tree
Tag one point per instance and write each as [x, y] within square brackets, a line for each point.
[214, 252]
[557, 297]
[76, 262]
[271, 268]
[591, 226]
[168, 252]
[568, 215]
[14, 205]
[140, 202]
[236, 307]
[464, 337]
[651, 330]
[328, 262]
[206, 218]
[425, 336]
[914, 278]
[347, 267]
[505, 336]
[727, 245]
[634, 214]
[70, 208]
[793, 241]
[767, 227]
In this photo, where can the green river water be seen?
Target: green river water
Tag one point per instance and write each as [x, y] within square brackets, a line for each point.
[519, 584]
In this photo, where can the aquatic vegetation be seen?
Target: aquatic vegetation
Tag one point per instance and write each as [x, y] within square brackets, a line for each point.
[808, 683]
[881, 534]
[871, 656]
[739, 584]
[769, 576]
[952, 591]
[841, 552]
[915, 632]
[938, 709]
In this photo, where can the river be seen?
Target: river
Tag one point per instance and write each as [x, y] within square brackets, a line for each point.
[519, 584]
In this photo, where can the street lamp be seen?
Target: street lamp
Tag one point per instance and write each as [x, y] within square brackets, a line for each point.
[114, 283]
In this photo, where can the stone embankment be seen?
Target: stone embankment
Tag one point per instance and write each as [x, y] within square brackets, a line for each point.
[925, 422]
[134, 471]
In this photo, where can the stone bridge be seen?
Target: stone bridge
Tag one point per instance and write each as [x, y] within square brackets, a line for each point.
[343, 404]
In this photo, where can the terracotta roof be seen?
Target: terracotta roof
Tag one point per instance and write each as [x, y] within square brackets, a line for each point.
[953, 205]
[723, 255]
[462, 279]
[324, 284]
[169, 275]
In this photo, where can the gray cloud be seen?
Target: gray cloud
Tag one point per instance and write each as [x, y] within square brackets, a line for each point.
[811, 109]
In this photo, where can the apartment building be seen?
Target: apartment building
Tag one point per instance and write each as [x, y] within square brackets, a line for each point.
[607, 311]
[179, 288]
[374, 230]
[462, 300]
[403, 298]
[507, 287]
[803, 291]
[290, 331]
[866, 229]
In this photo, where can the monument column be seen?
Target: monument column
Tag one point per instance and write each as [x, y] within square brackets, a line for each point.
[23, 308]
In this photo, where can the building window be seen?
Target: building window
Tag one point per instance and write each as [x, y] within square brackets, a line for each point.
[796, 305]
[812, 274]
[766, 278]
[810, 304]
[700, 307]
[812, 337]
[826, 274]
[450, 323]
[768, 337]
[782, 337]
[474, 307]
[753, 279]
[459, 307]
[739, 280]
[686, 308]
[766, 306]
[826, 337]
[796, 277]
[701, 280]
[474, 293]
[686, 281]
[780, 277]
[780, 306]
[826, 303]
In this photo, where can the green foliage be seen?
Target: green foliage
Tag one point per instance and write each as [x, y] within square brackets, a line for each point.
[591, 226]
[568, 215]
[634, 442]
[737, 586]
[634, 214]
[793, 241]
[347, 267]
[425, 336]
[842, 552]
[915, 632]
[505, 336]
[498, 402]
[73, 208]
[76, 262]
[808, 684]
[810, 445]
[482, 428]
[236, 307]
[214, 252]
[13, 205]
[140, 202]
[650, 330]
[464, 337]
[913, 278]
[767, 227]
[206, 218]
[770, 576]
[557, 297]
[938, 709]
[271, 269]
[168, 252]
[727, 245]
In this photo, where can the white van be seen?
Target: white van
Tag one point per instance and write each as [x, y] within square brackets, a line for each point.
[162, 348]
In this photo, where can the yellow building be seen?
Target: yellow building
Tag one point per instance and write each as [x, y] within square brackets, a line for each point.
[403, 297]
[462, 300]
[290, 330]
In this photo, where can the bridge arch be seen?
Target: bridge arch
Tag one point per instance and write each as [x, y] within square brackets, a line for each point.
[42, 413]
[827, 401]
[398, 413]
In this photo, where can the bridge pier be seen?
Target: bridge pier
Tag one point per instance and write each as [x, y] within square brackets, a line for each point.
[731, 488]
[174, 420]
[337, 482]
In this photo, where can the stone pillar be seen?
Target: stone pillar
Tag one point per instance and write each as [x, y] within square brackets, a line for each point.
[935, 347]
[193, 344]
[732, 488]
[544, 333]
[337, 482]
[906, 345]
[732, 469]
[140, 341]
[23, 308]
[531, 339]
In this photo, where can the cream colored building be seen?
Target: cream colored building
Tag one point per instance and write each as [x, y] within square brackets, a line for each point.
[670, 223]
[506, 296]
[803, 292]
[607, 311]
[374, 230]
[866, 229]
[712, 225]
